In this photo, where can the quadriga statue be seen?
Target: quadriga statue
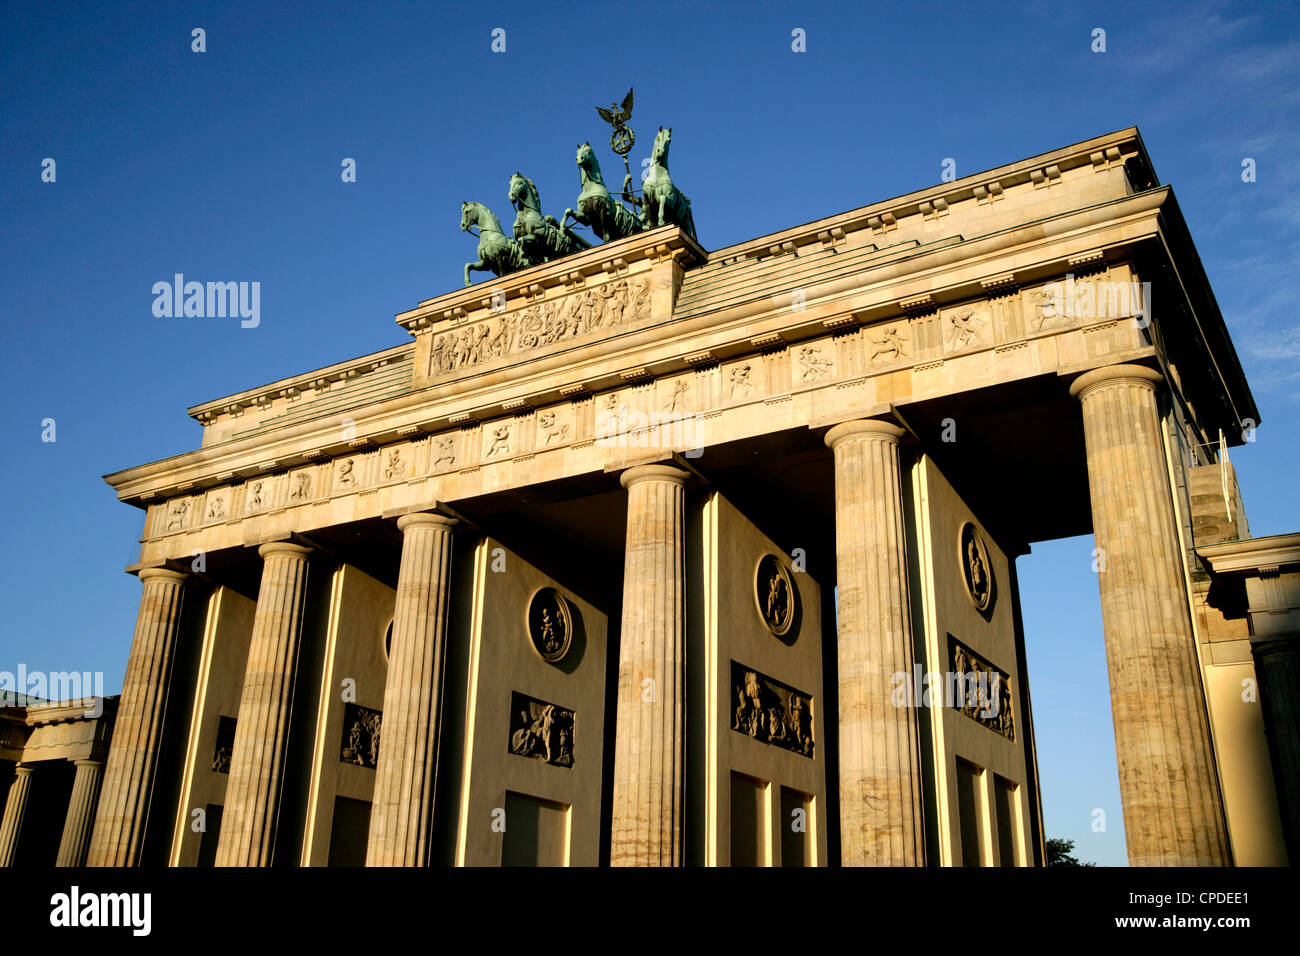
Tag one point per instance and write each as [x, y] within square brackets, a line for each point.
[606, 217]
[541, 238]
[497, 252]
[661, 203]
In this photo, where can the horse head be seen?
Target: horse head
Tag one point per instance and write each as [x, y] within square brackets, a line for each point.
[663, 139]
[467, 215]
[523, 189]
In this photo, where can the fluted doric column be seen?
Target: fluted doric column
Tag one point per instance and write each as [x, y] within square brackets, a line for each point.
[649, 741]
[1172, 810]
[137, 730]
[262, 732]
[11, 826]
[402, 810]
[881, 821]
[81, 809]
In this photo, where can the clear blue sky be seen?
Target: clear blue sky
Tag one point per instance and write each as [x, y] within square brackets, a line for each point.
[225, 166]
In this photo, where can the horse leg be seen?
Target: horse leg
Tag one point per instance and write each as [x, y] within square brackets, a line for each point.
[479, 266]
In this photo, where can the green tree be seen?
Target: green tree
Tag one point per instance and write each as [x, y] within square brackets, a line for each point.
[1061, 853]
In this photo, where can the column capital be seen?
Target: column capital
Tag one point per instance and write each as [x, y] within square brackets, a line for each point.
[88, 762]
[281, 547]
[163, 574]
[425, 518]
[24, 770]
[652, 473]
[872, 427]
[1113, 375]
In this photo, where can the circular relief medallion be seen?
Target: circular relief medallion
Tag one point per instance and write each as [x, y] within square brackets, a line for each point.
[775, 595]
[550, 625]
[976, 570]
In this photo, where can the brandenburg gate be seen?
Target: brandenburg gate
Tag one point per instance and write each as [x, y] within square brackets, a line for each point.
[643, 554]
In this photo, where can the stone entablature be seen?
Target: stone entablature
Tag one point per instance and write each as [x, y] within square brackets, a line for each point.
[556, 370]
[744, 335]
[70, 730]
[777, 384]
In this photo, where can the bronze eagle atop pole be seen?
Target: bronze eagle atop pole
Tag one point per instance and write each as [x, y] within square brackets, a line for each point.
[622, 137]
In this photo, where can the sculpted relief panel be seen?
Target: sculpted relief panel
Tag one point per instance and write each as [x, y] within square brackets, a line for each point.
[967, 326]
[225, 745]
[605, 307]
[360, 743]
[770, 711]
[981, 691]
[541, 730]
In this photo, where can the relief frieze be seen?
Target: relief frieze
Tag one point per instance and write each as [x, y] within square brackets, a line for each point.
[360, 743]
[225, 745]
[541, 730]
[582, 314]
[771, 711]
[642, 412]
[981, 691]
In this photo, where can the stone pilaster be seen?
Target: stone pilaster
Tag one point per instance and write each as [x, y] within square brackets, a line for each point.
[262, 732]
[81, 809]
[129, 773]
[1277, 665]
[11, 826]
[649, 735]
[402, 808]
[881, 821]
[1172, 810]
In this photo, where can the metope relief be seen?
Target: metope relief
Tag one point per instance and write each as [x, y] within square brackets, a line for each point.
[442, 452]
[218, 506]
[497, 438]
[886, 346]
[395, 463]
[967, 327]
[767, 710]
[675, 396]
[258, 495]
[360, 743]
[541, 730]
[981, 691]
[551, 430]
[602, 308]
[740, 381]
[300, 483]
[345, 474]
[814, 364]
[177, 515]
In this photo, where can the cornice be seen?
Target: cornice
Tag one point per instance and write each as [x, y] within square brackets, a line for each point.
[297, 384]
[1252, 554]
[1103, 152]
